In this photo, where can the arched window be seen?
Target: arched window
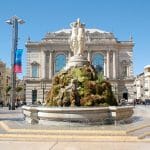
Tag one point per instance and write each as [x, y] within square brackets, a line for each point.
[98, 62]
[35, 70]
[60, 62]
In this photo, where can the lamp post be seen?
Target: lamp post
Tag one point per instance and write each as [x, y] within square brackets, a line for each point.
[43, 87]
[14, 22]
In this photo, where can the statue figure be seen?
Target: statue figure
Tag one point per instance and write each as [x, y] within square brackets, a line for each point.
[77, 40]
[73, 38]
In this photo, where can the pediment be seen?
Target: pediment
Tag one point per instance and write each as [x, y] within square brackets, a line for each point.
[61, 34]
[34, 63]
[50, 35]
[96, 33]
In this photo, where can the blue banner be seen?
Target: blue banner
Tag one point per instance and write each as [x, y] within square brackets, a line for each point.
[18, 61]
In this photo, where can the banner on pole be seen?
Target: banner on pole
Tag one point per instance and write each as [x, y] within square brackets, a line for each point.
[18, 62]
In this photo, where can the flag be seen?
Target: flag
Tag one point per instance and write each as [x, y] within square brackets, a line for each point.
[18, 62]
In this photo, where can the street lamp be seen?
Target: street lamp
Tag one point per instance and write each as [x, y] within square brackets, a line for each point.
[43, 87]
[14, 22]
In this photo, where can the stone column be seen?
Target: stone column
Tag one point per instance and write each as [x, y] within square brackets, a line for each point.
[128, 71]
[114, 64]
[105, 71]
[43, 65]
[69, 54]
[89, 56]
[50, 65]
[108, 64]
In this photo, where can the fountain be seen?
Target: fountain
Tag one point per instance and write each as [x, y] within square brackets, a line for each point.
[78, 94]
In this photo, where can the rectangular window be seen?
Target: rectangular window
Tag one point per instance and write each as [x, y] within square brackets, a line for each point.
[34, 71]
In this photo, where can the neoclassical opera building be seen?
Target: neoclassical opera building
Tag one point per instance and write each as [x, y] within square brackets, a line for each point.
[108, 55]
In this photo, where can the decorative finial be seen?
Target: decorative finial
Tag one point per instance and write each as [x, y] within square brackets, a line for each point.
[131, 37]
[29, 39]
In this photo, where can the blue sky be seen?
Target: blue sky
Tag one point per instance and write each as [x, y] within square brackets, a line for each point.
[122, 17]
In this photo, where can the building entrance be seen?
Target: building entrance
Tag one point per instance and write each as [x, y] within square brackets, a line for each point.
[125, 95]
[34, 96]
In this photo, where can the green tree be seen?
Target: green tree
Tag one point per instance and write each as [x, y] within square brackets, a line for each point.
[18, 89]
[8, 89]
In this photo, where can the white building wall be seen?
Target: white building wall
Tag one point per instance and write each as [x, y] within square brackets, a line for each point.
[147, 81]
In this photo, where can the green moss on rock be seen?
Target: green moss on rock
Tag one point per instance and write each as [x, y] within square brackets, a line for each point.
[80, 86]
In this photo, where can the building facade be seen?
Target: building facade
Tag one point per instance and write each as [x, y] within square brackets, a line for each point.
[4, 83]
[139, 90]
[48, 56]
[147, 82]
[20, 90]
[142, 84]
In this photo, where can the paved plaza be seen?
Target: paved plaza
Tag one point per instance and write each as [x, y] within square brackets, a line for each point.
[16, 134]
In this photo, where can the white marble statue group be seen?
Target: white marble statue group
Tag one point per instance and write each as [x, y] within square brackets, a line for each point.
[77, 40]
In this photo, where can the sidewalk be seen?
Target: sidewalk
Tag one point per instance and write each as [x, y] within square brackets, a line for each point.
[134, 135]
[15, 145]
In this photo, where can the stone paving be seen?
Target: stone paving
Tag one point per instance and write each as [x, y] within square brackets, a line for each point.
[15, 119]
[134, 134]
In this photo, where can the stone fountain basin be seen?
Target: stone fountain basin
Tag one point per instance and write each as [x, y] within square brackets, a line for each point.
[64, 115]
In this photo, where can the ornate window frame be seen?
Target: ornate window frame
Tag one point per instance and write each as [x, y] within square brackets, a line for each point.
[125, 65]
[35, 64]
